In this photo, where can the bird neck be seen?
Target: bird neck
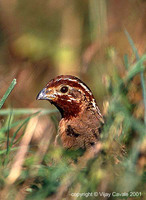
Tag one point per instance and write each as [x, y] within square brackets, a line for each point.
[69, 112]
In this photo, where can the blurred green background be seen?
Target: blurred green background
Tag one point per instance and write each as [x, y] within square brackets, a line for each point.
[42, 39]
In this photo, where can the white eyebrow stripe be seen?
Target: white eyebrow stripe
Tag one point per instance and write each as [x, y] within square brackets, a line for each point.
[86, 89]
[68, 100]
[76, 81]
[58, 79]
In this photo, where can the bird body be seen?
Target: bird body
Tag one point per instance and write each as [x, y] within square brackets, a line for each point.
[81, 131]
[81, 118]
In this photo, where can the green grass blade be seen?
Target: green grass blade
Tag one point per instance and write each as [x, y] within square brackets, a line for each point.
[136, 68]
[8, 131]
[15, 134]
[9, 90]
[20, 111]
[132, 44]
[16, 141]
[126, 61]
[5, 150]
[141, 74]
[5, 128]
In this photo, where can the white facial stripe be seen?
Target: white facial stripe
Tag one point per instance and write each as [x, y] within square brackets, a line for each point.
[68, 100]
[83, 86]
[76, 81]
[93, 103]
[73, 99]
[87, 90]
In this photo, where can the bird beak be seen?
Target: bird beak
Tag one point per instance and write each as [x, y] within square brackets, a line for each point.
[43, 95]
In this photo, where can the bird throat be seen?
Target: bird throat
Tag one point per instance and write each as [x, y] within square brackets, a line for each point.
[68, 111]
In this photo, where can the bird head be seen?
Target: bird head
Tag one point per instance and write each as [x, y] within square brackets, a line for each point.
[69, 94]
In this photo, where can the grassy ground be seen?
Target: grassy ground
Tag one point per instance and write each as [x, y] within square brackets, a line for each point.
[32, 168]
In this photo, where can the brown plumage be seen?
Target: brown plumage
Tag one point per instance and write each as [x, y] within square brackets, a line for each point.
[81, 118]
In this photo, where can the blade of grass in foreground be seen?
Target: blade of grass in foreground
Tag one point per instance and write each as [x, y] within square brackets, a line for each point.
[9, 122]
[25, 111]
[141, 73]
[9, 90]
[23, 124]
[5, 128]
[9, 146]
[5, 150]
[126, 61]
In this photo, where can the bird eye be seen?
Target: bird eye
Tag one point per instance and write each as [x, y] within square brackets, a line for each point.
[64, 89]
